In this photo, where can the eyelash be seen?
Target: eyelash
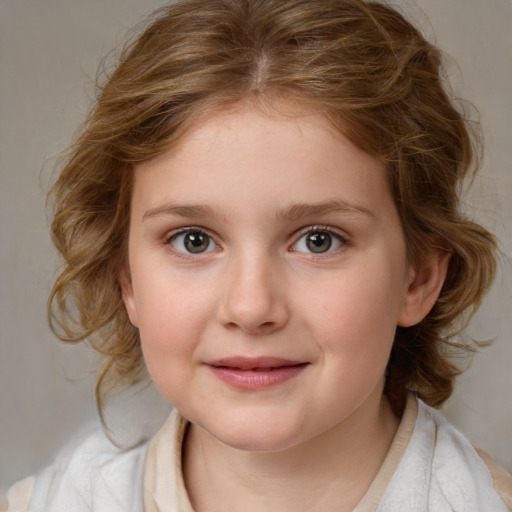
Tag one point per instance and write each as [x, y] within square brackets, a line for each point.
[335, 234]
[174, 235]
[341, 238]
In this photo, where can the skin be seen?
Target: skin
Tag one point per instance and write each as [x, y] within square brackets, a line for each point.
[248, 182]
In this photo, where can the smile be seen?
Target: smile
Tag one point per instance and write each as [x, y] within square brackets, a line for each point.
[255, 373]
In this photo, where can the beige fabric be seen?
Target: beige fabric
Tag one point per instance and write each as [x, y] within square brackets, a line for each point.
[371, 499]
[18, 497]
[502, 478]
[164, 488]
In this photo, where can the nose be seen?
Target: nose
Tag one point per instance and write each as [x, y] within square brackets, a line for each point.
[253, 299]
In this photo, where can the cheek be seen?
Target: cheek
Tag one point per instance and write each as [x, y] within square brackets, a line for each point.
[171, 319]
[355, 317]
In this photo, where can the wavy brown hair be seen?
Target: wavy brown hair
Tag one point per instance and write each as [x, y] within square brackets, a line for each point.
[360, 64]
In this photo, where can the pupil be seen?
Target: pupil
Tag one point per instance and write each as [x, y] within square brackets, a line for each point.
[319, 242]
[196, 242]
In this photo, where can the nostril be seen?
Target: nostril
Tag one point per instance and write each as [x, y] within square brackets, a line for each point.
[263, 328]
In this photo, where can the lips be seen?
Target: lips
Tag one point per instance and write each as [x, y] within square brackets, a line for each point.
[255, 373]
[258, 363]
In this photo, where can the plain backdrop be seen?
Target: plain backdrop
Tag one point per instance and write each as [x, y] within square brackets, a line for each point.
[49, 51]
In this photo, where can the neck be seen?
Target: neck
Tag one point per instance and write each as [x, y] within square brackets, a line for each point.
[330, 472]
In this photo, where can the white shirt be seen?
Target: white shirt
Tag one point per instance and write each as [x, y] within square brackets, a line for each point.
[430, 467]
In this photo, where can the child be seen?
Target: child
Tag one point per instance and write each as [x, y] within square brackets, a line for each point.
[262, 211]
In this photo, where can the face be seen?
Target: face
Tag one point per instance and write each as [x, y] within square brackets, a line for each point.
[267, 275]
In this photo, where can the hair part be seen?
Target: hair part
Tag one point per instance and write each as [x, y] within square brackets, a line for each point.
[362, 66]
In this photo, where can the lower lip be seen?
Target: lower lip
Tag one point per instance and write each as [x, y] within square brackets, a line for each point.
[255, 380]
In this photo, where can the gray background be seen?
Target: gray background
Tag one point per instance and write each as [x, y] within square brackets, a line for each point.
[49, 51]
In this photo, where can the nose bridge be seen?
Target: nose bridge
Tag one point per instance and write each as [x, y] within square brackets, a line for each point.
[254, 299]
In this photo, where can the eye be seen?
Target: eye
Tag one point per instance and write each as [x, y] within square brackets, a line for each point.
[318, 241]
[192, 241]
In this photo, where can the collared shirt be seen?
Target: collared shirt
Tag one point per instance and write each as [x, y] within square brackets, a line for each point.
[430, 466]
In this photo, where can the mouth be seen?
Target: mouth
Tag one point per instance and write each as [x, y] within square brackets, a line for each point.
[255, 373]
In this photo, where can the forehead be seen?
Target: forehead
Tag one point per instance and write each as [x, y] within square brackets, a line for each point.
[243, 158]
[246, 137]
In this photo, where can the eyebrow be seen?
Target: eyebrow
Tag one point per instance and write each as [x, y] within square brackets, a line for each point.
[292, 212]
[191, 211]
[301, 210]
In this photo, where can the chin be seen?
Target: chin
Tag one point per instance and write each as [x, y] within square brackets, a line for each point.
[258, 442]
[256, 434]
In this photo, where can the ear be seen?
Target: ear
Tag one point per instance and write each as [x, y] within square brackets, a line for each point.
[128, 296]
[424, 287]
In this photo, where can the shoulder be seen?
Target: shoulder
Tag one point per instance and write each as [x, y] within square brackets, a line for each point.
[454, 454]
[18, 497]
[501, 477]
[459, 474]
[441, 471]
[89, 474]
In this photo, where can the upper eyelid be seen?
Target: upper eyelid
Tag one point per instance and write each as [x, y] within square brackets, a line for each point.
[337, 232]
[169, 235]
[328, 229]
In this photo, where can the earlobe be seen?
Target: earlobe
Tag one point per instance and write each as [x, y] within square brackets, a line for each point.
[424, 288]
[128, 296]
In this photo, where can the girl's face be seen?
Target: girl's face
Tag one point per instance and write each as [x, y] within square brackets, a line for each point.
[267, 275]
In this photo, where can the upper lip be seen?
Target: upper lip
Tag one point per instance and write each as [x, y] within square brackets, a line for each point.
[253, 363]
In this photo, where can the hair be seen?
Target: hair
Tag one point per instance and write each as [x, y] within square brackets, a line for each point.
[362, 66]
